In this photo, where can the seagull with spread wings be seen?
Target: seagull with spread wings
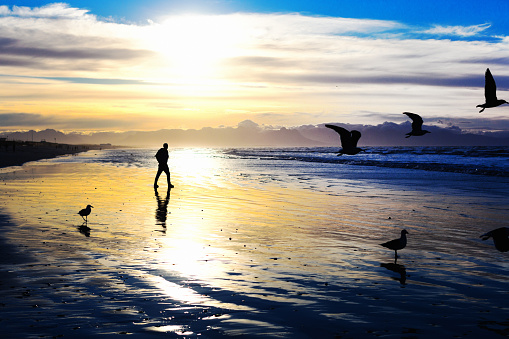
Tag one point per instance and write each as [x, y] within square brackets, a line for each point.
[348, 140]
[490, 92]
[500, 238]
[416, 125]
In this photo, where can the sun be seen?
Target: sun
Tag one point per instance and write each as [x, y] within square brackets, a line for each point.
[193, 46]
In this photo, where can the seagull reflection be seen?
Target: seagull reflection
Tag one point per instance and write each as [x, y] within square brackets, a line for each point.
[162, 208]
[397, 268]
[85, 230]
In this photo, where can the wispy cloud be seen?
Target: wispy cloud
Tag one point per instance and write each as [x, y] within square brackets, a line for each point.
[56, 10]
[462, 31]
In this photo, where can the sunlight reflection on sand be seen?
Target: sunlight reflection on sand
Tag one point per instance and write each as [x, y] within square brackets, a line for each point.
[242, 241]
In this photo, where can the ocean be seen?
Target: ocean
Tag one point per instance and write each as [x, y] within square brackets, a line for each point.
[260, 243]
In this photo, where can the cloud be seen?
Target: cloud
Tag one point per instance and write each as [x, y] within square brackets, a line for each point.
[56, 10]
[250, 133]
[462, 31]
[278, 69]
[24, 120]
[9, 46]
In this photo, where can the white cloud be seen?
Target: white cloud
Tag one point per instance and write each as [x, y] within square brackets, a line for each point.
[266, 65]
[55, 10]
[462, 31]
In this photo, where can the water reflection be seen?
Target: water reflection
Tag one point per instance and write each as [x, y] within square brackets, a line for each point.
[162, 208]
[84, 229]
[396, 268]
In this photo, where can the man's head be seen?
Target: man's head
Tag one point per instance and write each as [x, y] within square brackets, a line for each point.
[165, 145]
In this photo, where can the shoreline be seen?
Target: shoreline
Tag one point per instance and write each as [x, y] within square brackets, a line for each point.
[232, 251]
[17, 153]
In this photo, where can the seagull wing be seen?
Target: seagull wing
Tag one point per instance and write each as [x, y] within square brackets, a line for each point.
[416, 120]
[393, 244]
[502, 232]
[344, 135]
[490, 87]
[355, 136]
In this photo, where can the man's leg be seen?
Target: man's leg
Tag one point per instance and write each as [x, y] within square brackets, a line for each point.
[167, 171]
[159, 171]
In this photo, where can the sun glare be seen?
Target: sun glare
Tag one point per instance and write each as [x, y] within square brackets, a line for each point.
[193, 45]
[195, 164]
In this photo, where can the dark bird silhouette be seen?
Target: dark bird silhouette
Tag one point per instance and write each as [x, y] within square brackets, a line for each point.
[416, 125]
[348, 140]
[85, 212]
[500, 238]
[490, 92]
[396, 244]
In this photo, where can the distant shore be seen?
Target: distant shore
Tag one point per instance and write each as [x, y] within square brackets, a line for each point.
[16, 153]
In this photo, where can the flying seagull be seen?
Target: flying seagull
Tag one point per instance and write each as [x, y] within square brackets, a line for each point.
[396, 244]
[500, 238]
[416, 125]
[348, 140]
[490, 92]
[85, 212]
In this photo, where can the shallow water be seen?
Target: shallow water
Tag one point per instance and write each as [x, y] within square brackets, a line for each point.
[254, 246]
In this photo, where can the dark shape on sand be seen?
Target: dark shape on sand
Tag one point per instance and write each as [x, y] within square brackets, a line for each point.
[416, 125]
[397, 268]
[490, 92]
[396, 244]
[85, 230]
[86, 212]
[500, 238]
[348, 140]
[162, 207]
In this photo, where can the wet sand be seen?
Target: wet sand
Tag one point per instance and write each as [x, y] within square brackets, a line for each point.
[243, 253]
[18, 153]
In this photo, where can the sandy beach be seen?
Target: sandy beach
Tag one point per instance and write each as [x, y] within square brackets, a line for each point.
[16, 153]
[233, 250]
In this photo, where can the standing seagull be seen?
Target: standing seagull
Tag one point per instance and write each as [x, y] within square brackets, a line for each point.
[500, 238]
[85, 212]
[396, 244]
[416, 125]
[348, 140]
[490, 92]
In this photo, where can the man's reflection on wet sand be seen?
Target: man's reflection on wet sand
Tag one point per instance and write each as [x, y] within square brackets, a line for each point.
[162, 208]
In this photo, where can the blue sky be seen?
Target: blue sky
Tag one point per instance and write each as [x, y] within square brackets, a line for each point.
[444, 12]
[194, 64]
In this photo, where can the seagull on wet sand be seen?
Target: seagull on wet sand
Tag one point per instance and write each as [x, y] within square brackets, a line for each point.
[85, 212]
[348, 140]
[490, 92]
[416, 125]
[396, 244]
[500, 238]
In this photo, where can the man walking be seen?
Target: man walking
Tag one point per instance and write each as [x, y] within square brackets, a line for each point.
[162, 158]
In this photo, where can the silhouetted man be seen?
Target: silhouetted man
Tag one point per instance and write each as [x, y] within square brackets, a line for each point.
[162, 158]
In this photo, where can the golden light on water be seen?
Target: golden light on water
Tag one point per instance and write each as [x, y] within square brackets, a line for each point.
[198, 166]
[221, 226]
[232, 242]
